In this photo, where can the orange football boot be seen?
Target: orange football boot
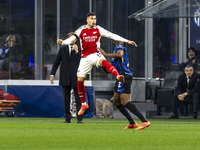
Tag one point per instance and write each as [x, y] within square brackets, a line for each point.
[131, 126]
[143, 125]
[83, 109]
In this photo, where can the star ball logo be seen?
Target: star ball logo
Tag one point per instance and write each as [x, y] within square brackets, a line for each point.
[196, 18]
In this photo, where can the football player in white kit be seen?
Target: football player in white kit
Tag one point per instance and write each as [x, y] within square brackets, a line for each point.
[89, 36]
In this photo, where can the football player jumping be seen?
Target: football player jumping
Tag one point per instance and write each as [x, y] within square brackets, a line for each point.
[89, 36]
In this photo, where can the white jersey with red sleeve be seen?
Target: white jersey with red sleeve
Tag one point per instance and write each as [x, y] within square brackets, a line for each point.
[90, 38]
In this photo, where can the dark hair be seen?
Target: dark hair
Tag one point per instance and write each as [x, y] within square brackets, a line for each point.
[188, 66]
[117, 42]
[191, 48]
[91, 14]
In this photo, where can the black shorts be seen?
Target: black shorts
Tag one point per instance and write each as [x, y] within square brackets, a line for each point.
[124, 87]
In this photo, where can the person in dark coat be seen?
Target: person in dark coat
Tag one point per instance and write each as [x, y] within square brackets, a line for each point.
[188, 91]
[191, 59]
[68, 58]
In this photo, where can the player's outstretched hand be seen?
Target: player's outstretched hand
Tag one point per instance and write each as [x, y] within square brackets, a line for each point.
[132, 43]
[59, 41]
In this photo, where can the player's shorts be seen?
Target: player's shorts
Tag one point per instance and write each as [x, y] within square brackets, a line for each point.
[123, 87]
[87, 62]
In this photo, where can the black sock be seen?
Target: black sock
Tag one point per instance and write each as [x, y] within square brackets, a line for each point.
[124, 111]
[135, 111]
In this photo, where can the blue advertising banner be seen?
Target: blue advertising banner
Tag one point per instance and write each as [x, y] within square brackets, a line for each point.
[44, 101]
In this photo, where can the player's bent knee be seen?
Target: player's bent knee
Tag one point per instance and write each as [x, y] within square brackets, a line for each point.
[100, 61]
[82, 79]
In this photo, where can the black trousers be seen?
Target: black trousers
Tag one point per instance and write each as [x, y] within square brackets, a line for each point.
[191, 99]
[67, 96]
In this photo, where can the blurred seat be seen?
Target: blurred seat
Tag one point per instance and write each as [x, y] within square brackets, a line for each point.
[198, 68]
[166, 92]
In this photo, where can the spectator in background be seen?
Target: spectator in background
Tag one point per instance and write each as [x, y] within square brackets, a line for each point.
[68, 58]
[191, 59]
[4, 57]
[11, 56]
[188, 91]
[15, 55]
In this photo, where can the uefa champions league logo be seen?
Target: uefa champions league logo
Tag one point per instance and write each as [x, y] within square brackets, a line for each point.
[196, 19]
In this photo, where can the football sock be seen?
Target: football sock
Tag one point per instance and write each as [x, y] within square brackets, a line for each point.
[84, 103]
[135, 111]
[124, 111]
[111, 69]
[81, 91]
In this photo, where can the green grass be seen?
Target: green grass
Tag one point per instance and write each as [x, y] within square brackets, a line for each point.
[101, 134]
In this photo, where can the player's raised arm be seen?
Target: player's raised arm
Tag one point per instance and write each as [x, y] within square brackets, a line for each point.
[115, 37]
[67, 41]
[119, 38]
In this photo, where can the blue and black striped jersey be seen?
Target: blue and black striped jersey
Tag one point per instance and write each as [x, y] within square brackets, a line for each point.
[122, 64]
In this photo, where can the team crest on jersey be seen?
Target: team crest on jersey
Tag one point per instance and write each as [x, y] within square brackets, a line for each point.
[94, 32]
[193, 61]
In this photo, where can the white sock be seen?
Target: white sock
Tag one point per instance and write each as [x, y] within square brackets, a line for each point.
[84, 103]
[117, 76]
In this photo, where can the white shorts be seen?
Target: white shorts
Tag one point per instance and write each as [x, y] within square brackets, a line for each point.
[87, 62]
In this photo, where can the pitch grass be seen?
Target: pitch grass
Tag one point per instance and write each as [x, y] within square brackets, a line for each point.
[100, 134]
